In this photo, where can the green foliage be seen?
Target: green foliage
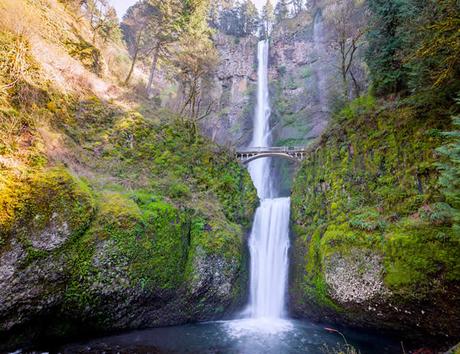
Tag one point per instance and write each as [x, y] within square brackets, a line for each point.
[239, 19]
[434, 28]
[360, 106]
[373, 184]
[102, 19]
[44, 202]
[385, 43]
[154, 194]
[414, 45]
[369, 220]
[450, 174]
[87, 54]
[417, 254]
[306, 72]
[165, 157]
[281, 10]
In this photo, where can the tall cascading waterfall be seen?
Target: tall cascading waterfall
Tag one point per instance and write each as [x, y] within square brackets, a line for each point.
[269, 240]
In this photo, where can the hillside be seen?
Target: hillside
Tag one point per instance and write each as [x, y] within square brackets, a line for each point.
[99, 188]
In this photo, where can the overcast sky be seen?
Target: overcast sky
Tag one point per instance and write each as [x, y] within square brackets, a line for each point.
[122, 5]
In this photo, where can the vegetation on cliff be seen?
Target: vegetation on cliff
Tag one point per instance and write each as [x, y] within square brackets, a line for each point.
[375, 205]
[113, 210]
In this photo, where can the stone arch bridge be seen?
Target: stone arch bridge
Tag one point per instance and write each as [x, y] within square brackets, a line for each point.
[246, 155]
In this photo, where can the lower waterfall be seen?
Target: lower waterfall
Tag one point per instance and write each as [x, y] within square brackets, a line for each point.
[268, 245]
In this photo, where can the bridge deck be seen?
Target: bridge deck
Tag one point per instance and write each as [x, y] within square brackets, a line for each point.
[270, 149]
[249, 154]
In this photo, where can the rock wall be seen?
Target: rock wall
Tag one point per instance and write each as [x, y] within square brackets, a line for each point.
[233, 91]
[153, 235]
[372, 246]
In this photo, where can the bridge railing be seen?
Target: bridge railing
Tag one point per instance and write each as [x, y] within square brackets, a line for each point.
[271, 149]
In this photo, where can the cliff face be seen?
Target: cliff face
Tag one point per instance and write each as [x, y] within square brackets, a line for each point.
[373, 242]
[302, 82]
[109, 219]
[232, 91]
[298, 78]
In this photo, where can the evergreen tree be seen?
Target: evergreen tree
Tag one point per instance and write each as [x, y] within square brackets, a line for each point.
[450, 173]
[249, 17]
[139, 32]
[102, 19]
[196, 61]
[281, 10]
[385, 43]
[169, 21]
[239, 19]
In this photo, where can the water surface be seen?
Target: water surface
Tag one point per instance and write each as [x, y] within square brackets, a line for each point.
[246, 336]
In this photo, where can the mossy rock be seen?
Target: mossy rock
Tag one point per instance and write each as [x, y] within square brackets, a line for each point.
[46, 209]
[373, 245]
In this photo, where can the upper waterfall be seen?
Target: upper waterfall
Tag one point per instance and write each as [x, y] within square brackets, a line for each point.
[260, 170]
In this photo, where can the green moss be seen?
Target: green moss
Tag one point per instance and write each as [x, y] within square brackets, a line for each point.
[43, 204]
[372, 184]
[419, 258]
[54, 196]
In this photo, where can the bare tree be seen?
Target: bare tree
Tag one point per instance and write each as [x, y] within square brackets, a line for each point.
[347, 20]
[196, 62]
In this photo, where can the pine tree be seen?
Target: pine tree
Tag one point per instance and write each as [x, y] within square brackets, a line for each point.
[249, 17]
[169, 21]
[139, 32]
[387, 71]
[102, 19]
[281, 10]
[450, 173]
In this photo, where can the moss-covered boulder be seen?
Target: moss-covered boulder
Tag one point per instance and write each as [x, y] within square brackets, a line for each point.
[373, 245]
[155, 235]
[145, 263]
[169, 249]
[45, 212]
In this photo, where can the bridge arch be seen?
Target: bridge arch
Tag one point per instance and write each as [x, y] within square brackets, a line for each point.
[294, 154]
[271, 154]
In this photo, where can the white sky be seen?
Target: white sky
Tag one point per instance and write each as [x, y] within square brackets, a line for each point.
[122, 5]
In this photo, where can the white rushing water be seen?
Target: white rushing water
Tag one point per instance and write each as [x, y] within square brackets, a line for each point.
[269, 241]
[260, 169]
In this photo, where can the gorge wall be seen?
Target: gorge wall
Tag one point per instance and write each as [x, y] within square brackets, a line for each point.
[301, 83]
[373, 245]
[110, 218]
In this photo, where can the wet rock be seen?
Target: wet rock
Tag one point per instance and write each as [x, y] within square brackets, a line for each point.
[355, 278]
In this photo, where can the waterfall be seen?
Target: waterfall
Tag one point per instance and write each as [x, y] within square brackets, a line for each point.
[269, 240]
[260, 169]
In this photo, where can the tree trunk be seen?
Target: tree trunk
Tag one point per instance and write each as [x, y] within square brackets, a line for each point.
[156, 53]
[133, 63]
[343, 53]
[344, 82]
[355, 84]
